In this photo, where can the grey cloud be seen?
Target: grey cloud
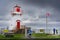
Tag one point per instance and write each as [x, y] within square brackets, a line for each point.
[32, 9]
[54, 3]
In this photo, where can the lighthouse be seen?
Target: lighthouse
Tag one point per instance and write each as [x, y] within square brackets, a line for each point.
[17, 13]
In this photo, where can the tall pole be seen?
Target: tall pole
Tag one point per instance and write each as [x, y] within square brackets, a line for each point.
[46, 23]
[47, 14]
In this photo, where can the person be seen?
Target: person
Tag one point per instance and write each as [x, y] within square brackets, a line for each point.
[54, 31]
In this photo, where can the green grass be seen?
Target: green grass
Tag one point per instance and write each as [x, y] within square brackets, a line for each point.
[1, 36]
[43, 35]
[16, 36]
[39, 35]
[36, 35]
[19, 36]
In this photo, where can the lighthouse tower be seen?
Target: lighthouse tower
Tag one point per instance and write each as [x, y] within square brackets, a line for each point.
[17, 13]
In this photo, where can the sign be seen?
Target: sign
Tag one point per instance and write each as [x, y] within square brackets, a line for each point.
[5, 31]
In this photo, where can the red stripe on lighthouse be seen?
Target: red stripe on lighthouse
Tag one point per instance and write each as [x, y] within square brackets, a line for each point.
[17, 9]
[18, 24]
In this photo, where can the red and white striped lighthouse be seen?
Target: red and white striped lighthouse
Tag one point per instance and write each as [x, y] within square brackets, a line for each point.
[17, 11]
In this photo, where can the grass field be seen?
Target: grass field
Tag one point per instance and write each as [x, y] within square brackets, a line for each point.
[35, 35]
[43, 35]
[16, 36]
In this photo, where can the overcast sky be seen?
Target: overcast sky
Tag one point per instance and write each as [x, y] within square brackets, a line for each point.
[34, 12]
